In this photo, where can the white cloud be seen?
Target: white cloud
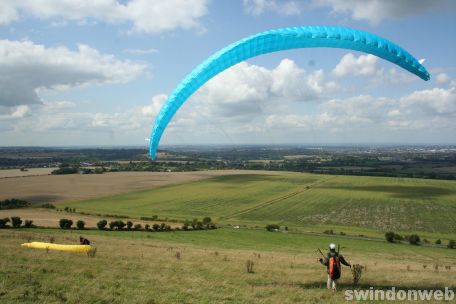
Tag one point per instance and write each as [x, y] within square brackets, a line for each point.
[367, 66]
[428, 114]
[364, 65]
[141, 51]
[251, 104]
[149, 16]
[246, 89]
[157, 102]
[442, 78]
[258, 7]
[433, 109]
[436, 101]
[27, 68]
[375, 11]
[21, 111]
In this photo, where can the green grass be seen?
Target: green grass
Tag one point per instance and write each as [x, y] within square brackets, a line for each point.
[141, 267]
[298, 200]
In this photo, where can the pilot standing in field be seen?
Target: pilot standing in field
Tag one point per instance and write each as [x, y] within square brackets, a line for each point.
[332, 263]
[83, 241]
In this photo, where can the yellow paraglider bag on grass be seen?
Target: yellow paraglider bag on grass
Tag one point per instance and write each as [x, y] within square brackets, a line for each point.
[59, 247]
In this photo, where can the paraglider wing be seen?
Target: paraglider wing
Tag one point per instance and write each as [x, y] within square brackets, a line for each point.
[278, 40]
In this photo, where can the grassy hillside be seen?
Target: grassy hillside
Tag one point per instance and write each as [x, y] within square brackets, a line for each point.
[297, 199]
[205, 267]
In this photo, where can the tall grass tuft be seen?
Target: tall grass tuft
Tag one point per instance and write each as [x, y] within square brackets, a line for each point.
[357, 271]
[249, 265]
[91, 253]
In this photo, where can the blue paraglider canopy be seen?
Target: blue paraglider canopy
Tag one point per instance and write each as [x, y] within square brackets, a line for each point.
[278, 40]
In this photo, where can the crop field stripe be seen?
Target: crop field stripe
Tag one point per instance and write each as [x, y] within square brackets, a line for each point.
[273, 201]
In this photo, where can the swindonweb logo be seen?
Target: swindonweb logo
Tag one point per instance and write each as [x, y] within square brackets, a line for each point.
[394, 294]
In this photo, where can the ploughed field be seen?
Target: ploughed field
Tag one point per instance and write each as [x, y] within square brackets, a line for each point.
[58, 188]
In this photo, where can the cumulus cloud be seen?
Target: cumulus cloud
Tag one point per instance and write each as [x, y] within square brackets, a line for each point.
[427, 115]
[27, 68]
[149, 16]
[434, 109]
[367, 66]
[258, 7]
[364, 65]
[65, 118]
[375, 11]
[246, 88]
[247, 91]
[249, 103]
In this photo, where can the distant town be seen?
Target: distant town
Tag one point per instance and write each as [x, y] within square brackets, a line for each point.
[418, 161]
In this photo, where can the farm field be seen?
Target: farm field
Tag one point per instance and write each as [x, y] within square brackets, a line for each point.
[57, 188]
[30, 172]
[297, 200]
[206, 267]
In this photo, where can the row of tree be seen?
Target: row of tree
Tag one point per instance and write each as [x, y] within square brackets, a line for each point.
[13, 203]
[195, 224]
[16, 222]
[414, 239]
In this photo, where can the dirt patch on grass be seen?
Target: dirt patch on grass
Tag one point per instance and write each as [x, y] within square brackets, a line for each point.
[74, 187]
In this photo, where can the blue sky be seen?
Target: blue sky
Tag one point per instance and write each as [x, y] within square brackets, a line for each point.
[97, 72]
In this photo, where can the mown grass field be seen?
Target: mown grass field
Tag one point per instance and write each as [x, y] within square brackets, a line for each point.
[143, 267]
[297, 200]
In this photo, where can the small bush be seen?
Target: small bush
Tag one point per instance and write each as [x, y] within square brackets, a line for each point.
[414, 239]
[398, 237]
[138, 227]
[118, 225]
[146, 218]
[129, 225]
[65, 223]
[211, 226]
[65, 170]
[393, 237]
[389, 236]
[102, 224]
[438, 242]
[357, 271]
[147, 226]
[80, 224]
[28, 224]
[48, 206]
[16, 221]
[4, 222]
[451, 244]
[207, 220]
[156, 227]
[193, 223]
[330, 231]
[272, 227]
